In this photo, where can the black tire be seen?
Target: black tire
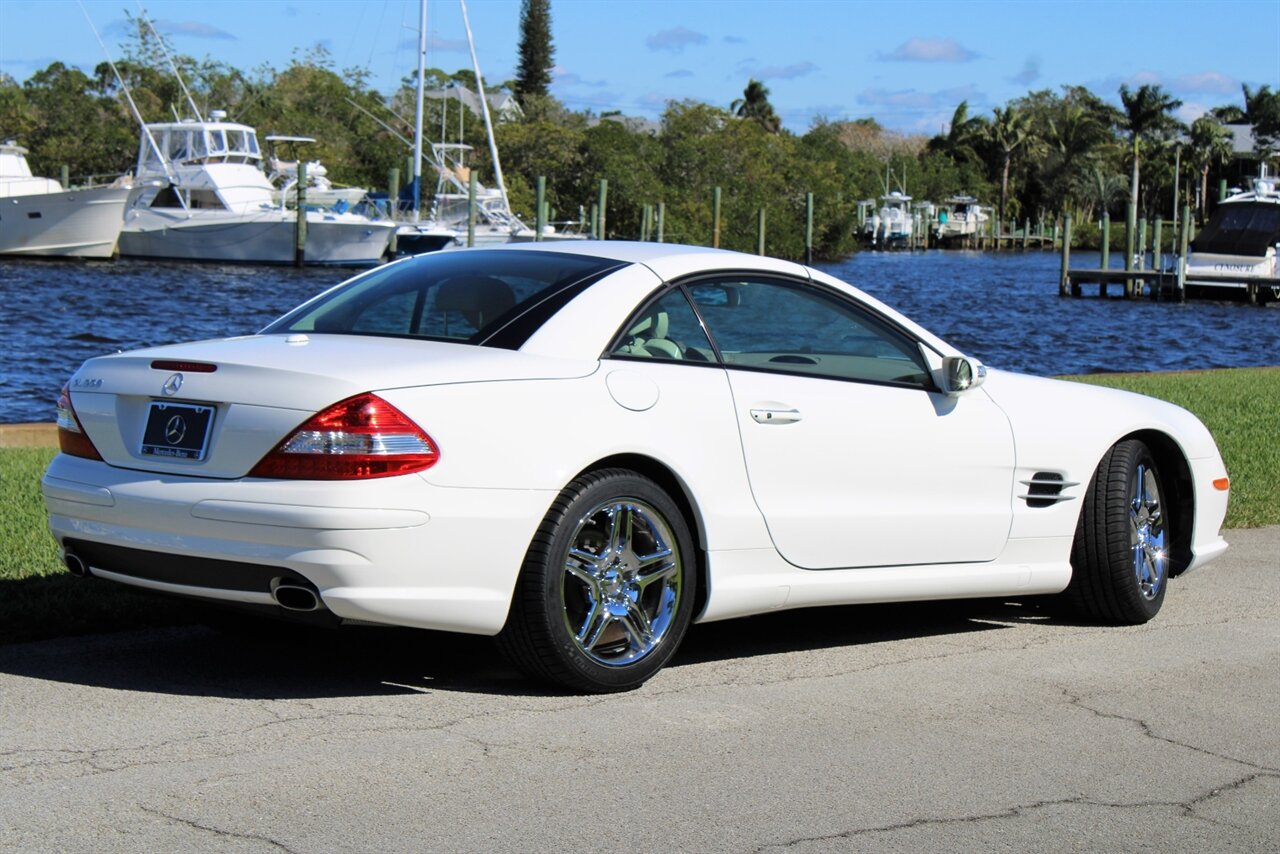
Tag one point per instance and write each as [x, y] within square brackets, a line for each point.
[591, 613]
[1120, 557]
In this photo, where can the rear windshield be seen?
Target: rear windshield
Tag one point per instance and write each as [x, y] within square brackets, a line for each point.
[491, 298]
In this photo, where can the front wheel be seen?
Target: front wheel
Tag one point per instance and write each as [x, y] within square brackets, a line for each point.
[607, 588]
[1120, 558]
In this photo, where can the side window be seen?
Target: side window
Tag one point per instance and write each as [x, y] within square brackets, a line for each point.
[667, 329]
[797, 329]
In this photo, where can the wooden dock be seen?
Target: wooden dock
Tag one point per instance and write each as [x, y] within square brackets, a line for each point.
[1164, 285]
[1169, 284]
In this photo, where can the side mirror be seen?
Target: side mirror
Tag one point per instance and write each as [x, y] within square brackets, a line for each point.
[960, 374]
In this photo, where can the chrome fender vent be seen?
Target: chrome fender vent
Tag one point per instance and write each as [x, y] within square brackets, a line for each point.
[1046, 489]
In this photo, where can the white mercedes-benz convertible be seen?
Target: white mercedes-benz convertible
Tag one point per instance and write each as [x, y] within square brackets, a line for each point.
[581, 448]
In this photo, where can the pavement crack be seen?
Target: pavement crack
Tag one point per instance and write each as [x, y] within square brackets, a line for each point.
[1187, 808]
[1149, 731]
[216, 831]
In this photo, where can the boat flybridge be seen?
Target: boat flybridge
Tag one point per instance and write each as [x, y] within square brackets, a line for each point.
[41, 217]
[205, 197]
[1237, 247]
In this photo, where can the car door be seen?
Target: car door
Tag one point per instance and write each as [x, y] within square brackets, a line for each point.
[854, 458]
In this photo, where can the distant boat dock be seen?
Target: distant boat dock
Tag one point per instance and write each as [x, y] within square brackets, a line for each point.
[1158, 281]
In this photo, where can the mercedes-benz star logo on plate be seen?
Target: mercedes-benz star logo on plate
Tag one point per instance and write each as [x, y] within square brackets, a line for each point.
[172, 384]
[175, 430]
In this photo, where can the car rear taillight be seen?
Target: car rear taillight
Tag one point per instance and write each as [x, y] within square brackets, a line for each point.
[71, 436]
[360, 437]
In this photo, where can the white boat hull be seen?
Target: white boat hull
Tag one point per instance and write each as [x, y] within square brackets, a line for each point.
[260, 238]
[69, 223]
[1230, 270]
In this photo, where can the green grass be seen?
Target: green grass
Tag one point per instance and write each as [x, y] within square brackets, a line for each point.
[40, 599]
[1241, 407]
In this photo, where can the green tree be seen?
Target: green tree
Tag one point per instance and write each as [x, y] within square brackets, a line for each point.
[537, 54]
[754, 104]
[963, 135]
[1262, 111]
[1007, 132]
[1209, 146]
[1147, 116]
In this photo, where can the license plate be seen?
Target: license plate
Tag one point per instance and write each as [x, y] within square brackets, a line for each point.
[179, 430]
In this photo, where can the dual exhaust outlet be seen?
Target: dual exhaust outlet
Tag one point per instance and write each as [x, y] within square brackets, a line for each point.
[289, 595]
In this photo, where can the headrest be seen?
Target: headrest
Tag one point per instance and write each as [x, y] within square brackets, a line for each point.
[480, 299]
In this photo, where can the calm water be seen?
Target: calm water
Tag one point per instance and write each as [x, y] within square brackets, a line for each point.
[1004, 309]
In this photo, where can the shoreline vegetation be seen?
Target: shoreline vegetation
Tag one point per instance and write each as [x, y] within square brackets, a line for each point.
[40, 600]
[1030, 161]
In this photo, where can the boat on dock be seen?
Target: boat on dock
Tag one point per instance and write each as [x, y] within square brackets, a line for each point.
[320, 191]
[893, 224]
[1236, 249]
[39, 217]
[205, 197]
[959, 219]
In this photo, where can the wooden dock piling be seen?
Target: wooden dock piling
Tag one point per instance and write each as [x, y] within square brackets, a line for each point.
[604, 197]
[808, 228]
[471, 209]
[1066, 257]
[540, 199]
[715, 218]
[300, 218]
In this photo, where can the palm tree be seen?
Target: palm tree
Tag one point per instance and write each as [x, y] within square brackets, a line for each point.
[1008, 131]
[1262, 111]
[1097, 189]
[1146, 113]
[754, 104]
[962, 135]
[1210, 145]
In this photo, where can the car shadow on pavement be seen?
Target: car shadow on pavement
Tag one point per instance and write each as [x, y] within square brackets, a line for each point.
[296, 662]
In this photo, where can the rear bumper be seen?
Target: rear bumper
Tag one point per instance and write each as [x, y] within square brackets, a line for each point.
[395, 550]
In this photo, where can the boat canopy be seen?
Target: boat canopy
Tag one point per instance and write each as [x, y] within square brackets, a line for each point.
[197, 143]
[1240, 228]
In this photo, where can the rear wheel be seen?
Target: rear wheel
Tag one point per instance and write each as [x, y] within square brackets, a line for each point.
[606, 592]
[1120, 558]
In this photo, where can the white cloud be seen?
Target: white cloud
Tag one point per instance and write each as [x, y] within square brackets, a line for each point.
[680, 72]
[1206, 82]
[192, 29]
[563, 77]
[928, 50]
[1029, 74]
[675, 40]
[786, 72]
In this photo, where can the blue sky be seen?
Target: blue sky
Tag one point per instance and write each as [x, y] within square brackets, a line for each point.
[906, 63]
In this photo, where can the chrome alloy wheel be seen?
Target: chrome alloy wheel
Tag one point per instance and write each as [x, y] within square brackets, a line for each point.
[1146, 532]
[621, 584]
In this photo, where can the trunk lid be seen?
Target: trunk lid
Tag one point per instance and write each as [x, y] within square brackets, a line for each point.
[262, 387]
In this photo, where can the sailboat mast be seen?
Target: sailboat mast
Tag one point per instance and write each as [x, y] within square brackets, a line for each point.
[417, 118]
[484, 109]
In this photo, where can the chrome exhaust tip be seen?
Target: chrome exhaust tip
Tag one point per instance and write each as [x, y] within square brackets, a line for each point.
[75, 565]
[295, 597]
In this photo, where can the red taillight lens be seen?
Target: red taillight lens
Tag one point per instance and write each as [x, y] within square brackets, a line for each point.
[360, 437]
[71, 436]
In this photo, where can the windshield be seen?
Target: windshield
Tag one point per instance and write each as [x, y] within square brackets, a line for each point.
[477, 297]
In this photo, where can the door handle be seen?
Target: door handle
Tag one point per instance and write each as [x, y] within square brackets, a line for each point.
[775, 416]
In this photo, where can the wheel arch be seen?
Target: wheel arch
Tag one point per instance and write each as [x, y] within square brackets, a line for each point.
[671, 483]
[1175, 477]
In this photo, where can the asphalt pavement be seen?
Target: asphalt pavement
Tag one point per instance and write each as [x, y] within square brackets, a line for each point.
[971, 726]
